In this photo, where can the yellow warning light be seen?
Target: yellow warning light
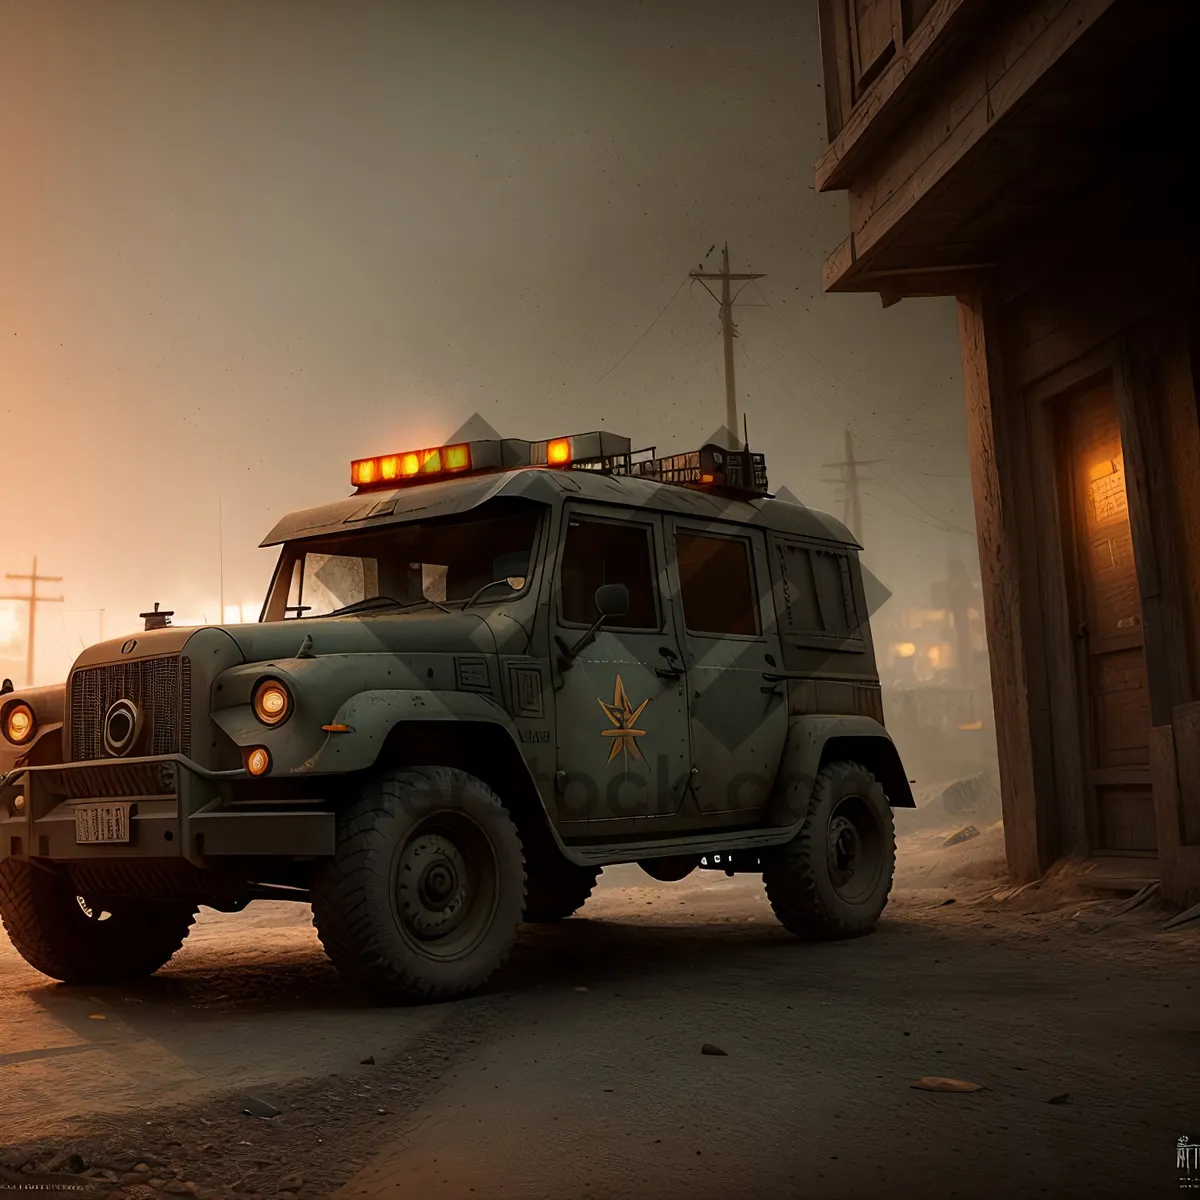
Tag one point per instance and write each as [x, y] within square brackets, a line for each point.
[558, 452]
[438, 460]
[706, 478]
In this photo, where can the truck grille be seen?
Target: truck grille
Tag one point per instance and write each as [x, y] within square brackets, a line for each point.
[160, 687]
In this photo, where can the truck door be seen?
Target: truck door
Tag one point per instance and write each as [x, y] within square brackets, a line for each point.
[621, 706]
[730, 641]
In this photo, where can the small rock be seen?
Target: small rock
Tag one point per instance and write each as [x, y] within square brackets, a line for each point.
[963, 835]
[259, 1108]
[383, 1112]
[156, 1183]
[176, 1187]
[935, 1083]
[293, 1183]
[142, 1168]
[709, 1048]
[581, 989]
[369, 1061]
[1063, 1098]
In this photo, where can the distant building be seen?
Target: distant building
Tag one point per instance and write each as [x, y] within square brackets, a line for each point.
[1033, 158]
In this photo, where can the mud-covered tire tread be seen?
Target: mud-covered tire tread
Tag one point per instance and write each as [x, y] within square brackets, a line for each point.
[36, 906]
[341, 890]
[790, 876]
[558, 893]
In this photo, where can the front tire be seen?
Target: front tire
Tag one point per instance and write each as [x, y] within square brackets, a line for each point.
[85, 940]
[832, 880]
[425, 891]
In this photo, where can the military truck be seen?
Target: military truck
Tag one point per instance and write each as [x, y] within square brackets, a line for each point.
[495, 669]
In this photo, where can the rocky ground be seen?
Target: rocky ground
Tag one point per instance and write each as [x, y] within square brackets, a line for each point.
[246, 1070]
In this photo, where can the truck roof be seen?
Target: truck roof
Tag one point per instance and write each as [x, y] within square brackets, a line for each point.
[549, 486]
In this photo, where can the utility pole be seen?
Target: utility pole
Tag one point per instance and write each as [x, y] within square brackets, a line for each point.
[850, 479]
[33, 600]
[729, 332]
[221, 552]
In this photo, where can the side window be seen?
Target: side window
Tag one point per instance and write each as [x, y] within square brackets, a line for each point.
[600, 552]
[818, 592]
[716, 579]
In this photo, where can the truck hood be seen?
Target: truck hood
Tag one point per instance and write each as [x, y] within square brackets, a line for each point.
[428, 630]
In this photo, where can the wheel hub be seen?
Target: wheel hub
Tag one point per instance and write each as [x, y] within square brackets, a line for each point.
[433, 888]
[855, 849]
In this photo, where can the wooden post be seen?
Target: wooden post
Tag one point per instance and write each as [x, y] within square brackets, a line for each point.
[992, 456]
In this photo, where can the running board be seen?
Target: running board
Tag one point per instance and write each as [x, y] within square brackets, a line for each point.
[694, 844]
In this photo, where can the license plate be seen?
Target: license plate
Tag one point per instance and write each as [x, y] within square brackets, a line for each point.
[101, 823]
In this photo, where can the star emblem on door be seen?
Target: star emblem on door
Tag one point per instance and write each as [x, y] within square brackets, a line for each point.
[624, 716]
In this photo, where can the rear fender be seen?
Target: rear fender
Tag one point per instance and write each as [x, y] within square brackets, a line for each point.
[816, 740]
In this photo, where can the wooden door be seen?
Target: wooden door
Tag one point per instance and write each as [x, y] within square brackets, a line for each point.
[1108, 614]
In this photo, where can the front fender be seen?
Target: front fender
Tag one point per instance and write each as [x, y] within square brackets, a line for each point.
[814, 739]
[370, 716]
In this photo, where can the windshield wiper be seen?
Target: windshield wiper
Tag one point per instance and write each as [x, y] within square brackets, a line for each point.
[369, 602]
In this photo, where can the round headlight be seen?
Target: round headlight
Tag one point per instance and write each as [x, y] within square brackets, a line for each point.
[19, 723]
[258, 761]
[272, 702]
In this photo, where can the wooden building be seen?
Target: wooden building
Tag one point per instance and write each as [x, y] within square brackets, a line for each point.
[1032, 158]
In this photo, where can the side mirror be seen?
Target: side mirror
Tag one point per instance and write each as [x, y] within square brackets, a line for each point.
[612, 600]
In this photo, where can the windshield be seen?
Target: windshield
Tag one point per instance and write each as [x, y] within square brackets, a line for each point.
[425, 562]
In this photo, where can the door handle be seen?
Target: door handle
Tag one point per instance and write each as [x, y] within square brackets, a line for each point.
[674, 673]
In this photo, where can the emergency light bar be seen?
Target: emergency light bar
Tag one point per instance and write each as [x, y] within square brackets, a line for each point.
[587, 450]
[711, 466]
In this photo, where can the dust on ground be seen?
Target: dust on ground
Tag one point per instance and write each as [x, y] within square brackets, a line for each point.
[150, 1100]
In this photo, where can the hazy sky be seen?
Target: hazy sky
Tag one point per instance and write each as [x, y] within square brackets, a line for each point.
[244, 242]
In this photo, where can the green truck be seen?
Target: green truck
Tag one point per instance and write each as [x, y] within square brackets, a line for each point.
[495, 669]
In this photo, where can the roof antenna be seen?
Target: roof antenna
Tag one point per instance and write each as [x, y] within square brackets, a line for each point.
[745, 432]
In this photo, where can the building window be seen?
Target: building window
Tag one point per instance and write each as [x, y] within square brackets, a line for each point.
[717, 582]
[600, 552]
[818, 592]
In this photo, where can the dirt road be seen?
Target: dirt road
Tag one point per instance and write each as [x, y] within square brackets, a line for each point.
[580, 1072]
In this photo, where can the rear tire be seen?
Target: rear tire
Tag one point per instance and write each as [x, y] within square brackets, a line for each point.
[86, 940]
[425, 891]
[832, 880]
[556, 889]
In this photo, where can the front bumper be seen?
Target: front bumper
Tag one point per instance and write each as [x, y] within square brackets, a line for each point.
[177, 810]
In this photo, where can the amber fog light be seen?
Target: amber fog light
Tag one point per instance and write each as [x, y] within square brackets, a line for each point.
[19, 723]
[272, 702]
[258, 761]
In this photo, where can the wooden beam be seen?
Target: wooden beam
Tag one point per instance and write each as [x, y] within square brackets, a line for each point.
[860, 131]
[992, 456]
[987, 88]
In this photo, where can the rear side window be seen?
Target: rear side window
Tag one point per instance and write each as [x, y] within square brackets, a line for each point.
[600, 552]
[817, 592]
[716, 579]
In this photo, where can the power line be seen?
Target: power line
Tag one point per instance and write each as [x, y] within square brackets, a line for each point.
[641, 337]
